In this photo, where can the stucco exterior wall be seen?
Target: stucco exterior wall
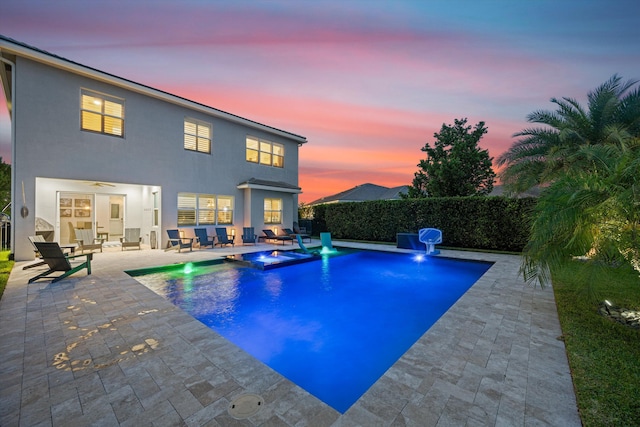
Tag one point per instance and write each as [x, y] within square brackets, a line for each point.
[50, 144]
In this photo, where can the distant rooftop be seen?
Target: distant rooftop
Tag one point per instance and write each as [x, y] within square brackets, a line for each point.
[363, 193]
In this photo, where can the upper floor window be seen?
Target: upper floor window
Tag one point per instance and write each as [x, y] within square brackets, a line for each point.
[197, 136]
[265, 152]
[101, 113]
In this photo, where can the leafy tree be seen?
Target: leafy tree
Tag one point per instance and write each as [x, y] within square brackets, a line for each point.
[588, 161]
[5, 183]
[305, 211]
[455, 165]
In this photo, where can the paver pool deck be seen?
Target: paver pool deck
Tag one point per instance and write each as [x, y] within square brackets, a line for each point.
[104, 350]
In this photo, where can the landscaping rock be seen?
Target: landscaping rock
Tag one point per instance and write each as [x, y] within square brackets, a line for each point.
[624, 316]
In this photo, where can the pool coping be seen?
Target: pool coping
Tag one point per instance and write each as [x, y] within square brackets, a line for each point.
[493, 359]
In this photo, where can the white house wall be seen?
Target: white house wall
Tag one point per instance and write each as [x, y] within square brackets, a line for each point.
[138, 202]
[50, 144]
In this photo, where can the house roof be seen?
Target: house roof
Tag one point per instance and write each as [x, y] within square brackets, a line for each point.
[14, 47]
[363, 193]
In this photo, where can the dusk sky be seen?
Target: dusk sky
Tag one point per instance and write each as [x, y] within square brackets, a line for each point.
[366, 82]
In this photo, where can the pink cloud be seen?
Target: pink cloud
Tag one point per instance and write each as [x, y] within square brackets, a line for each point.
[368, 86]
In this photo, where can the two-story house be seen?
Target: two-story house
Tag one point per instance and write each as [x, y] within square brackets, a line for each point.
[91, 149]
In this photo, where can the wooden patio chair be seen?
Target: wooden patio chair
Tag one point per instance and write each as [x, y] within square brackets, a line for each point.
[55, 258]
[131, 238]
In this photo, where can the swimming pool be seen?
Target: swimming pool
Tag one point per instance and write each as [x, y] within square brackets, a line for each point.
[333, 326]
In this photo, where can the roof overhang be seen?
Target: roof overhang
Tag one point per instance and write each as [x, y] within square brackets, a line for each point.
[22, 50]
[269, 186]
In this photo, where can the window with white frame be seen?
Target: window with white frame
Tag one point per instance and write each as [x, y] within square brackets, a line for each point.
[204, 209]
[273, 211]
[187, 208]
[225, 209]
[197, 136]
[264, 152]
[101, 113]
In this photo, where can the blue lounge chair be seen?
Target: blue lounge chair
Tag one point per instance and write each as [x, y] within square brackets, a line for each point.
[203, 238]
[270, 235]
[248, 236]
[223, 238]
[177, 242]
[288, 232]
[53, 256]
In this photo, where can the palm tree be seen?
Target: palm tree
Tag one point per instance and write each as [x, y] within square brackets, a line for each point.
[542, 154]
[588, 161]
[588, 213]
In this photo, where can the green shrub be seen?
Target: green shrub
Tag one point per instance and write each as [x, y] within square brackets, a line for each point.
[5, 269]
[494, 223]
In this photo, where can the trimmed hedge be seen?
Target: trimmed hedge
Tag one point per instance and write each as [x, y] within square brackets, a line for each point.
[494, 223]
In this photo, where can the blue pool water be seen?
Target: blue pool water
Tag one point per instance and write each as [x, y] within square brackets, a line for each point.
[332, 326]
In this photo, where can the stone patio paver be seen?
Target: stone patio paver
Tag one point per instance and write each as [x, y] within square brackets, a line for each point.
[105, 350]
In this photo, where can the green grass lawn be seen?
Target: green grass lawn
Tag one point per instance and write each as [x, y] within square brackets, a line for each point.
[604, 355]
[5, 270]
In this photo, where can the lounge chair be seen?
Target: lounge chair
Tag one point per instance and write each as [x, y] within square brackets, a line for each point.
[177, 242]
[86, 241]
[223, 238]
[288, 232]
[131, 238]
[53, 256]
[301, 231]
[248, 236]
[270, 235]
[203, 238]
[293, 234]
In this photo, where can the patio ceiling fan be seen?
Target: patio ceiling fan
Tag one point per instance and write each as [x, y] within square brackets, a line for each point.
[98, 184]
